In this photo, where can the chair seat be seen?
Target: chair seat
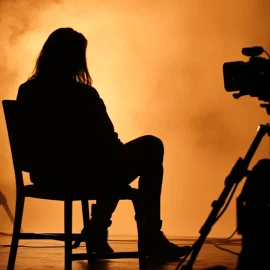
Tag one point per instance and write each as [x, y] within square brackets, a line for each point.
[52, 193]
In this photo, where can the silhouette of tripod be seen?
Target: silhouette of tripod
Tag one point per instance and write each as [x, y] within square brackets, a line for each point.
[238, 172]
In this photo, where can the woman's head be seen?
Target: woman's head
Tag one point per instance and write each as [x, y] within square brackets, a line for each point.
[63, 56]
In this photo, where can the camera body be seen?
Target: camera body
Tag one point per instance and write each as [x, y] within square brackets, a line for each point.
[249, 78]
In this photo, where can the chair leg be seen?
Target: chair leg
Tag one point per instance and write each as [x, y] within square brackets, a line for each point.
[85, 212]
[16, 232]
[86, 217]
[141, 246]
[141, 235]
[68, 234]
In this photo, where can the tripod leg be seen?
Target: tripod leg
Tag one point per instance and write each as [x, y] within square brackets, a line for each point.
[236, 175]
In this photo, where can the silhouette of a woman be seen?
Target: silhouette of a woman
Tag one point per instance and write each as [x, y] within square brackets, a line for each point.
[71, 138]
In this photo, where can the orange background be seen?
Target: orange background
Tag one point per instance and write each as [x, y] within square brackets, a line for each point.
[158, 67]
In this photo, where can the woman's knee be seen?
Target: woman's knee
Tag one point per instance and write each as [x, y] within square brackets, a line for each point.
[155, 145]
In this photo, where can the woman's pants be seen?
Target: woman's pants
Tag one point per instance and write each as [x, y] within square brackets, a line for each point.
[143, 158]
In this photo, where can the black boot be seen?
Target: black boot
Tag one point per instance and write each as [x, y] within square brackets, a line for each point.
[158, 247]
[96, 235]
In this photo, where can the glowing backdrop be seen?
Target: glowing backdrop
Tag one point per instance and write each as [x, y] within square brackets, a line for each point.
[158, 67]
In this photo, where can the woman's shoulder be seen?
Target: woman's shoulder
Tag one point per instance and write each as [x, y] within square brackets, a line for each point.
[28, 84]
[26, 89]
[88, 89]
[71, 84]
[36, 87]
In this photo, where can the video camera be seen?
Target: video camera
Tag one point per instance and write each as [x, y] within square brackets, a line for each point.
[253, 205]
[253, 78]
[249, 78]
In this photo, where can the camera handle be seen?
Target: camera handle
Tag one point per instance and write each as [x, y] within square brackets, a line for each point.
[238, 172]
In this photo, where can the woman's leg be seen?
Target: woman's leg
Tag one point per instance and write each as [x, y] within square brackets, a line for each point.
[142, 157]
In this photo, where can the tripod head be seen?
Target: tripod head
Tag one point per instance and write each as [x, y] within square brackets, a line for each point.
[263, 105]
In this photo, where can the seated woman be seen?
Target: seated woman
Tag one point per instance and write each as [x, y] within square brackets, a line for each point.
[70, 138]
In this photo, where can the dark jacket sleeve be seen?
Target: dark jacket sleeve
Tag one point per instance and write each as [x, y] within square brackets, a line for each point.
[90, 98]
[104, 120]
[85, 117]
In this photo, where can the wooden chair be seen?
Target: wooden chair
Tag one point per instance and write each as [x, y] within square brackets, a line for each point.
[22, 191]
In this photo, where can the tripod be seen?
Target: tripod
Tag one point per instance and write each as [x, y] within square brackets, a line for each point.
[238, 172]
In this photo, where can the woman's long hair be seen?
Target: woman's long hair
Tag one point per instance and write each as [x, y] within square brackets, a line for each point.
[63, 56]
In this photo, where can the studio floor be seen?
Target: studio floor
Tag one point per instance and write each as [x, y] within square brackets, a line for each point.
[49, 255]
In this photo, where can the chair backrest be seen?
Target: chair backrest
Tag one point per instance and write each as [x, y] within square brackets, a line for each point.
[11, 112]
[23, 143]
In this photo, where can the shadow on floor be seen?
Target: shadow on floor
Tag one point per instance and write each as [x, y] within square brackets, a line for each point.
[111, 265]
